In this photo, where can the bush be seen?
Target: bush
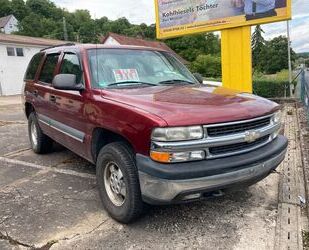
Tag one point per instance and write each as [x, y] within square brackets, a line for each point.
[270, 89]
[207, 65]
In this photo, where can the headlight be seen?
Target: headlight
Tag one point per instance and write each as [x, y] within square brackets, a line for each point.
[177, 133]
[277, 117]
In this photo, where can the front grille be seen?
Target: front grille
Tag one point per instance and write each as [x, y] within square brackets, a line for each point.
[237, 128]
[227, 149]
[230, 136]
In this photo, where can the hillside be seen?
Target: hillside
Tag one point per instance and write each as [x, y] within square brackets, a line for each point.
[303, 55]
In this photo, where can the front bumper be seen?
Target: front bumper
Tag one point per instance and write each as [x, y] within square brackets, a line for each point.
[174, 183]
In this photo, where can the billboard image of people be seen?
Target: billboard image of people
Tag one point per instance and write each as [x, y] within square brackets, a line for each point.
[179, 17]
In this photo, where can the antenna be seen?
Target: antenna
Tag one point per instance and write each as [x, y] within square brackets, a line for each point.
[96, 48]
[289, 58]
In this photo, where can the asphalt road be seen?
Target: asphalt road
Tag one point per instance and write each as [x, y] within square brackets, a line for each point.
[51, 201]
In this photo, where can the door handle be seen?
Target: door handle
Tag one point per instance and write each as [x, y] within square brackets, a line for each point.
[52, 98]
[35, 93]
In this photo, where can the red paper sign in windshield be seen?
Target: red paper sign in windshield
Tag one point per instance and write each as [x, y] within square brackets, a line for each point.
[122, 75]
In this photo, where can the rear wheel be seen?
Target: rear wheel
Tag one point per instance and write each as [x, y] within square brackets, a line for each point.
[118, 182]
[40, 143]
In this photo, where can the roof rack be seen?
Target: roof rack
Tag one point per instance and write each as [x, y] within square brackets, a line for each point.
[60, 45]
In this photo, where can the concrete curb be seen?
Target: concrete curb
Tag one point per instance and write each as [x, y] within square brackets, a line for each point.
[304, 147]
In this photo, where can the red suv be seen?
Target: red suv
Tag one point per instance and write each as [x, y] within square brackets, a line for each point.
[155, 132]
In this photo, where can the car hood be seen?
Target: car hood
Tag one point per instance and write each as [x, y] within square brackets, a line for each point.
[192, 105]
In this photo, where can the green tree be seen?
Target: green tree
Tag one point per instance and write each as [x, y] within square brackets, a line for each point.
[88, 33]
[19, 9]
[45, 8]
[38, 26]
[103, 25]
[78, 18]
[5, 8]
[119, 25]
[31, 25]
[258, 47]
[275, 57]
[190, 47]
[207, 65]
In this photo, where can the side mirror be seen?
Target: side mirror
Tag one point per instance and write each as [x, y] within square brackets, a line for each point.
[66, 82]
[198, 77]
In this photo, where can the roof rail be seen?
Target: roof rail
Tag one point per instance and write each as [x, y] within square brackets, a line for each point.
[60, 45]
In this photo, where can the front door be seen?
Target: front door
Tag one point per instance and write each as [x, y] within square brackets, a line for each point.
[69, 119]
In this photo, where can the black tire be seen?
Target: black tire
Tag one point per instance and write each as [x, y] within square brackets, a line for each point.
[44, 143]
[120, 154]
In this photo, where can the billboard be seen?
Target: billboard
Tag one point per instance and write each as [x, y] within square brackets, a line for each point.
[182, 17]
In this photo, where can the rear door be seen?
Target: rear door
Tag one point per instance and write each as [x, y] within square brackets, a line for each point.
[45, 106]
[30, 91]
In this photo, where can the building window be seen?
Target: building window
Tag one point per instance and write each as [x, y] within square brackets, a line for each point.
[19, 51]
[10, 51]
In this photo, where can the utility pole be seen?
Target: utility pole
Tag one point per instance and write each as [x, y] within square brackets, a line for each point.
[65, 31]
[289, 58]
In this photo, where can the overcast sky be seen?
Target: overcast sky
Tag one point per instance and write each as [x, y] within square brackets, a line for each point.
[142, 11]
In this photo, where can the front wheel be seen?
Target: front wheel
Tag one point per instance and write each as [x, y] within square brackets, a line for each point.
[118, 182]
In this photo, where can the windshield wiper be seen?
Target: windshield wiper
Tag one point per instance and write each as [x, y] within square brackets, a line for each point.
[176, 81]
[129, 83]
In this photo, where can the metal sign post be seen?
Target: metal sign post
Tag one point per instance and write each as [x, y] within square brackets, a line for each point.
[236, 58]
[289, 58]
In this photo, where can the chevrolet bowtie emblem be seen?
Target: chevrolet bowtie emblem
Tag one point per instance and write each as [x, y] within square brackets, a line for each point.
[252, 136]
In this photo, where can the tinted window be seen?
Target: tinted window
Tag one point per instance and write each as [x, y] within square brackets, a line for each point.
[10, 51]
[19, 51]
[33, 67]
[71, 65]
[47, 73]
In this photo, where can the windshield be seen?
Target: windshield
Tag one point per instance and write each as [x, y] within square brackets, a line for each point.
[125, 67]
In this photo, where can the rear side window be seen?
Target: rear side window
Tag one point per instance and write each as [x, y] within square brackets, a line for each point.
[48, 69]
[33, 67]
[71, 65]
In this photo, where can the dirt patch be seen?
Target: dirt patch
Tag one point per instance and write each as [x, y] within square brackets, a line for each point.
[4, 123]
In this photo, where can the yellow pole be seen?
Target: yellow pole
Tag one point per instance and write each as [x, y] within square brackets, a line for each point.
[236, 58]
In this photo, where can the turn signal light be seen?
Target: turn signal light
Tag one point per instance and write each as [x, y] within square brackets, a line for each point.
[163, 157]
[173, 157]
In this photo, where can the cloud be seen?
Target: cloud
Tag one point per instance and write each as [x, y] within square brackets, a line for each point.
[299, 27]
[142, 11]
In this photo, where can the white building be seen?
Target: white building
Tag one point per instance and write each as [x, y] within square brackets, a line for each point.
[8, 24]
[15, 54]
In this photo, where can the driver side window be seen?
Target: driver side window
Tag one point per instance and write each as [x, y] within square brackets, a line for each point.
[71, 65]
